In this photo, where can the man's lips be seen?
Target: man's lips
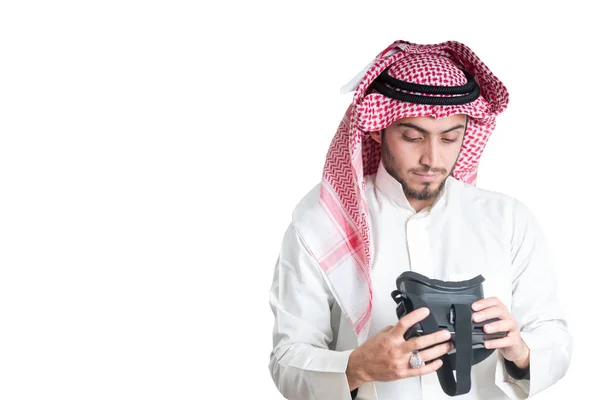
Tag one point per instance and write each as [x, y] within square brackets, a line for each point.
[427, 177]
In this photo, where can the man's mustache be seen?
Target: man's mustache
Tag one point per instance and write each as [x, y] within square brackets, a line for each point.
[429, 171]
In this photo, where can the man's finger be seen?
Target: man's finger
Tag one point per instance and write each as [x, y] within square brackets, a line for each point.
[492, 312]
[409, 320]
[499, 343]
[424, 370]
[504, 325]
[436, 351]
[485, 303]
[425, 341]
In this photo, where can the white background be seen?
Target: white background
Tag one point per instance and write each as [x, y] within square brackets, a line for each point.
[151, 154]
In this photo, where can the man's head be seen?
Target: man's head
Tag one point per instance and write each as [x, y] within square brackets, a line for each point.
[421, 152]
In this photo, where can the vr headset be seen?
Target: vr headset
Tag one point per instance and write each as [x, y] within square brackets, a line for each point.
[450, 308]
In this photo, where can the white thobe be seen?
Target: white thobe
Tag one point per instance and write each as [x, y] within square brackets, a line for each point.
[467, 231]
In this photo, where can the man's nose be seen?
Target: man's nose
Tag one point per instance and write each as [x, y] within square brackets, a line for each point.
[430, 153]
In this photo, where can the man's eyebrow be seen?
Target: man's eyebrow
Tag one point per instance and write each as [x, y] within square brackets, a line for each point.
[425, 131]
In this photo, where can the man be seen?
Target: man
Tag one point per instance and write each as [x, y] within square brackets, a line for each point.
[398, 194]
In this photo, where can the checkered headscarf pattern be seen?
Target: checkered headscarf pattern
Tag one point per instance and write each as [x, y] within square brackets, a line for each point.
[353, 154]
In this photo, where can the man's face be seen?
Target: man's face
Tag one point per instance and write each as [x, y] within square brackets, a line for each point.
[421, 152]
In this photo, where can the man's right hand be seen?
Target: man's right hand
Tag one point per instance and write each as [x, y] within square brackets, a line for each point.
[386, 356]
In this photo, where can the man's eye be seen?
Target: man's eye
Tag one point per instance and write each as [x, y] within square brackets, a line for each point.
[409, 139]
[449, 140]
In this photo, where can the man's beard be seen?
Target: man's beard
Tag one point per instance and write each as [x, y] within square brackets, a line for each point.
[427, 192]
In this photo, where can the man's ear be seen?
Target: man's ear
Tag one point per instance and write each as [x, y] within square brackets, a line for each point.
[376, 136]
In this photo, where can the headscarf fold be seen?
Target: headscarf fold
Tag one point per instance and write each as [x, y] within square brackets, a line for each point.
[353, 154]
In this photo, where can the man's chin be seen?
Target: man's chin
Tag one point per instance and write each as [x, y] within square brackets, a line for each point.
[421, 195]
[423, 190]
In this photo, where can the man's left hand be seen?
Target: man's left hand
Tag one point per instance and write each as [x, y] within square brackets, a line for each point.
[512, 347]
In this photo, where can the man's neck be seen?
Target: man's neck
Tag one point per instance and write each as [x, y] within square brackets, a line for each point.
[418, 205]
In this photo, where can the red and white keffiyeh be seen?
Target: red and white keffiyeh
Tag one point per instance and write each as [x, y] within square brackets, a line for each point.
[344, 254]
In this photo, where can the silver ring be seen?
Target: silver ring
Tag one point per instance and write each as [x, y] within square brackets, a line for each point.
[415, 360]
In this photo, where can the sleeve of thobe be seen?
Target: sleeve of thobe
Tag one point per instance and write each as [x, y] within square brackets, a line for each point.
[536, 307]
[302, 366]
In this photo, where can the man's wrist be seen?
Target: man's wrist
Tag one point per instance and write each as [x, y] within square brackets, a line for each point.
[354, 373]
[523, 362]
